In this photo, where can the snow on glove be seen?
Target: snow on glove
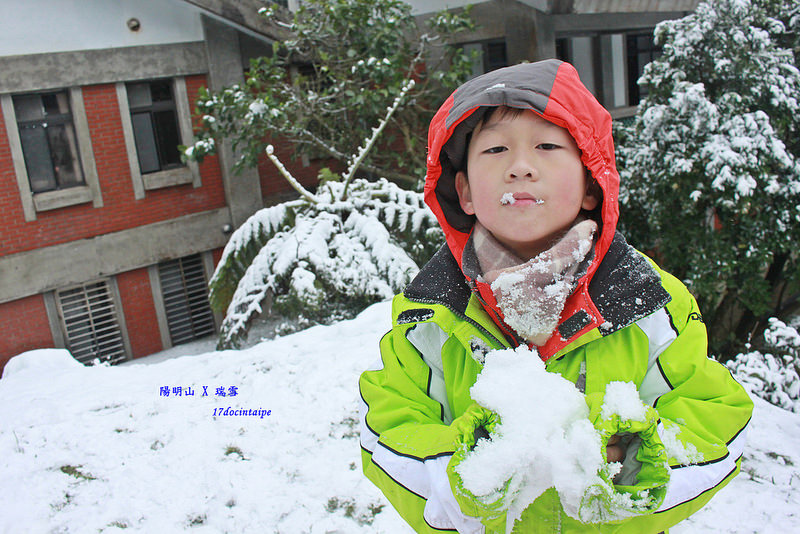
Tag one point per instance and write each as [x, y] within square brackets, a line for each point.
[490, 509]
[620, 411]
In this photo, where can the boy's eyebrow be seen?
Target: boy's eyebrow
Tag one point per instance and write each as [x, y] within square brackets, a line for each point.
[484, 127]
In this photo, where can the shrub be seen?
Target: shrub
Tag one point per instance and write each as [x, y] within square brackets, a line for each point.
[711, 166]
[774, 376]
[320, 262]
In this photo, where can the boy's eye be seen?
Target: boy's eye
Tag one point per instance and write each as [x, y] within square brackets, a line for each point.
[495, 150]
[548, 146]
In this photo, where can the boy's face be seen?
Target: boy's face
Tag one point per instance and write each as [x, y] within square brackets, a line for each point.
[539, 164]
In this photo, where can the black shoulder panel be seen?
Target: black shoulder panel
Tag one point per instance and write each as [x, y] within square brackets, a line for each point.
[417, 315]
[625, 287]
[440, 281]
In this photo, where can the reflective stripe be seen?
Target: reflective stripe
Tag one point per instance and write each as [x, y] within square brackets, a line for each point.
[428, 339]
[660, 333]
[369, 439]
[689, 482]
[428, 479]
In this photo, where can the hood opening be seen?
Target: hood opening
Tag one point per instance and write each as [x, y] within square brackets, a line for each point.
[553, 90]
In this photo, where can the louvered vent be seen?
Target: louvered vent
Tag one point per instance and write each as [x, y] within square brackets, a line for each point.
[183, 284]
[91, 323]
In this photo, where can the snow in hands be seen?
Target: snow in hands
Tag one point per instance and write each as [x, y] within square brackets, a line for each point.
[539, 444]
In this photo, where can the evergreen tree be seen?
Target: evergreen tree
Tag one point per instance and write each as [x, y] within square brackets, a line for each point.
[327, 86]
[711, 165]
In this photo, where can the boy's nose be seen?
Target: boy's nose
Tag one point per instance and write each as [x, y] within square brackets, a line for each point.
[521, 168]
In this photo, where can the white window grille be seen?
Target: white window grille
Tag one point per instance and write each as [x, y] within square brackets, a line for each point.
[91, 323]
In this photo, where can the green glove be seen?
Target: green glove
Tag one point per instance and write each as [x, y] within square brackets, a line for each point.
[606, 501]
[491, 509]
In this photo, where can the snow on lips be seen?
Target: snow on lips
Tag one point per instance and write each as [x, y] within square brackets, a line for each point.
[523, 198]
[508, 198]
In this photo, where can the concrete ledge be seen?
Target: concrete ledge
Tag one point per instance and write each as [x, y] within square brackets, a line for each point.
[46, 269]
[38, 72]
[577, 24]
[629, 6]
[168, 178]
[53, 200]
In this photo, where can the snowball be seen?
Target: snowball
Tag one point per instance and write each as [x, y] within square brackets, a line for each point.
[545, 440]
[622, 399]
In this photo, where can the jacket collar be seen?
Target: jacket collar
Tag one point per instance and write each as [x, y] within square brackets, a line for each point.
[625, 288]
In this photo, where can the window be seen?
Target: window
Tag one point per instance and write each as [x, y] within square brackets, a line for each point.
[490, 55]
[610, 64]
[156, 119]
[155, 125]
[51, 150]
[640, 50]
[185, 293]
[91, 324]
[49, 144]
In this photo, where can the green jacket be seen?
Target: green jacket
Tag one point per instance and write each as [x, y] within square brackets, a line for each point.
[416, 402]
[625, 320]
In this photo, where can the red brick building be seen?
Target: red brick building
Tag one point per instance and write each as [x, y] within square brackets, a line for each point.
[107, 240]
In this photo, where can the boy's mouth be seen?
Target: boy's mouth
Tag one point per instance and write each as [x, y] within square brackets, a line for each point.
[524, 199]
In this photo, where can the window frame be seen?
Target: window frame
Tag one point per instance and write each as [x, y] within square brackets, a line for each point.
[33, 203]
[613, 45]
[184, 174]
[632, 61]
[44, 123]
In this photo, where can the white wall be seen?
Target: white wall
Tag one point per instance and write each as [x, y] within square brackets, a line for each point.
[432, 6]
[39, 26]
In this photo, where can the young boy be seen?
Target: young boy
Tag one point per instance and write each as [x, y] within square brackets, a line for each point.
[521, 177]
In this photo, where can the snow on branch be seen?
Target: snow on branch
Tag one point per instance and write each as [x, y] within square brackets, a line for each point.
[270, 150]
[355, 162]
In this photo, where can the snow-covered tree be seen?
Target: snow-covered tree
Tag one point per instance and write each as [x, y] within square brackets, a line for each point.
[326, 255]
[323, 89]
[774, 374]
[711, 166]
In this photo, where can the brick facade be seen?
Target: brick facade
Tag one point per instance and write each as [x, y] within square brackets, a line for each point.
[24, 323]
[120, 210]
[23, 326]
[140, 312]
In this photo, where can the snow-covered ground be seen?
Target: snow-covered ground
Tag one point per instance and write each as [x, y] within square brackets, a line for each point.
[100, 449]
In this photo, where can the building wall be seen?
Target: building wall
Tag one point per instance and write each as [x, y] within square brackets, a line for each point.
[140, 312]
[120, 209]
[23, 326]
[40, 26]
[127, 230]
[92, 242]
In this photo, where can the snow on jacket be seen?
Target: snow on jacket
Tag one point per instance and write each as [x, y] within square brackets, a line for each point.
[626, 320]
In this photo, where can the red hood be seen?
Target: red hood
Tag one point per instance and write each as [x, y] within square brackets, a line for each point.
[552, 89]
